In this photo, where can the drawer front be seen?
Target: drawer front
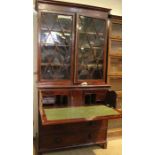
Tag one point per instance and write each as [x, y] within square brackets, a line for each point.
[56, 92]
[74, 127]
[71, 139]
[62, 140]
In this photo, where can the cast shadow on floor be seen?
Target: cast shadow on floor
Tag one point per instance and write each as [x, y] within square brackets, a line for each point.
[75, 151]
[114, 148]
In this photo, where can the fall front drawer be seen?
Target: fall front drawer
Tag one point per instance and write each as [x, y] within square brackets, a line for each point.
[53, 141]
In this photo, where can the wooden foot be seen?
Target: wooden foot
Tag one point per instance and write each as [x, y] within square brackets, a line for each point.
[104, 145]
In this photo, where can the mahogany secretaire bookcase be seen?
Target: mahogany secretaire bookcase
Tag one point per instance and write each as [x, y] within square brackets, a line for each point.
[75, 101]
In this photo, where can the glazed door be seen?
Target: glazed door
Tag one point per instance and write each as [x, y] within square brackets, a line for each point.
[91, 49]
[56, 47]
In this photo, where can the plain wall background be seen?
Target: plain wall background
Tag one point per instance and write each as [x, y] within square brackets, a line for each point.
[115, 5]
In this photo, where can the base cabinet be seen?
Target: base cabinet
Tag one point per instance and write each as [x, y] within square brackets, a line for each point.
[54, 137]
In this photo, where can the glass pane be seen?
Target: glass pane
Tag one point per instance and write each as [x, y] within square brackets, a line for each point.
[56, 36]
[90, 48]
[116, 47]
[116, 30]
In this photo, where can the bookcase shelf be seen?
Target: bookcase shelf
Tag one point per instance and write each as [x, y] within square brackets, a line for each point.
[117, 38]
[116, 55]
[115, 74]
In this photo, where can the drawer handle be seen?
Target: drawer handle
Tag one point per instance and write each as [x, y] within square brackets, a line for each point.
[57, 140]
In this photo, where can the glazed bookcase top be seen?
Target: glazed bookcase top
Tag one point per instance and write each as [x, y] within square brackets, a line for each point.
[72, 44]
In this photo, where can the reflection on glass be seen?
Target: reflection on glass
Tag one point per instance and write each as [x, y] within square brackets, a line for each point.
[52, 38]
[90, 48]
[56, 33]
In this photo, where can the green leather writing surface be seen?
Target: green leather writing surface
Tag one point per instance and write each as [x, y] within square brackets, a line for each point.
[86, 112]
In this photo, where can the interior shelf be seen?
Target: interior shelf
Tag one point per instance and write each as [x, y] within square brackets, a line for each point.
[49, 44]
[117, 38]
[93, 47]
[116, 55]
[117, 74]
[91, 33]
[55, 30]
[51, 64]
[91, 65]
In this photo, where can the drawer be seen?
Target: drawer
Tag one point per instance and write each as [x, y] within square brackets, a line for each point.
[55, 92]
[74, 127]
[61, 140]
[70, 139]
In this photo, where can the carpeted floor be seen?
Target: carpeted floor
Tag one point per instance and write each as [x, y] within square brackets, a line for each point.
[114, 148]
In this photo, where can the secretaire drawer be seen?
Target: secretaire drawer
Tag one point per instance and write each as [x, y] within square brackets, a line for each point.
[62, 140]
[74, 127]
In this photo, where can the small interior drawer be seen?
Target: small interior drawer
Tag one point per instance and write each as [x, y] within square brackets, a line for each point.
[55, 97]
